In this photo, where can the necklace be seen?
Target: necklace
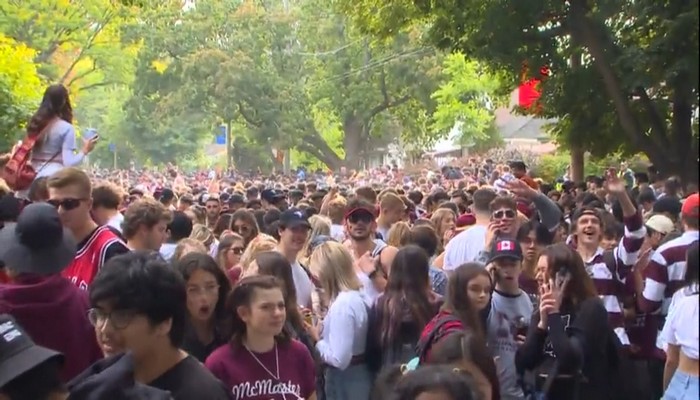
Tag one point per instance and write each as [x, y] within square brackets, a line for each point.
[277, 363]
[276, 375]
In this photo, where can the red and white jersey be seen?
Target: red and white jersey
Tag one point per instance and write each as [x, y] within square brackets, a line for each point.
[93, 252]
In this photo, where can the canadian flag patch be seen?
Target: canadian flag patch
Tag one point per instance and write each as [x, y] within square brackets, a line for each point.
[505, 245]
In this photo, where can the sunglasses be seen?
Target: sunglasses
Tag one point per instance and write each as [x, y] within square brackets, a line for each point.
[66, 204]
[501, 214]
[237, 250]
[242, 230]
[360, 217]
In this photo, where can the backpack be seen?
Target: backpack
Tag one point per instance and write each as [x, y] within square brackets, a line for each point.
[434, 335]
[19, 173]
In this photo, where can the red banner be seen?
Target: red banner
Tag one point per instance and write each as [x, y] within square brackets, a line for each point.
[529, 91]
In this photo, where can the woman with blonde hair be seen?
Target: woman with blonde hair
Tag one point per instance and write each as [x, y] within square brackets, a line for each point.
[206, 237]
[186, 246]
[444, 221]
[342, 341]
[398, 234]
[320, 226]
[261, 243]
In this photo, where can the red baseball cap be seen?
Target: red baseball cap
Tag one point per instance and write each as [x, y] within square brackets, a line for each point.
[691, 205]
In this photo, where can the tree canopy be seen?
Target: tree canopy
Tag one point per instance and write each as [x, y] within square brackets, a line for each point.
[159, 80]
[624, 73]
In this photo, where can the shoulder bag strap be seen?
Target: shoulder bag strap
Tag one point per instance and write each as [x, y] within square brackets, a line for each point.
[40, 136]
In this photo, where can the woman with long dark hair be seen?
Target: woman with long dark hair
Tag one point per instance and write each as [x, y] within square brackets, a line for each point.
[273, 263]
[243, 222]
[400, 313]
[569, 341]
[262, 361]
[468, 294]
[207, 288]
[57, 146]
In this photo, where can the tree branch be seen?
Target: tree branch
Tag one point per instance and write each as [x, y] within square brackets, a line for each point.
[387, 105]
[657, 122]
[247, 117]
[100, 84]
[107, 17]
[82, 75]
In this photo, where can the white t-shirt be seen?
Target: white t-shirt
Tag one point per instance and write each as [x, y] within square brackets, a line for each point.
[116, 222]
[464, 247]
[338, 232]
[682, 325]
[302, 284]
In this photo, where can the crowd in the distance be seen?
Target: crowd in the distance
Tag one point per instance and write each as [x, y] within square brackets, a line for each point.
[477, 282]
[349, 293]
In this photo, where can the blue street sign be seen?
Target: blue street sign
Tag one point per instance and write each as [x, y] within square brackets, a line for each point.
[221, 135]
[112, 147]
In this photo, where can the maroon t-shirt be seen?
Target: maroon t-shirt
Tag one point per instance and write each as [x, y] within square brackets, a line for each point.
[248, 380]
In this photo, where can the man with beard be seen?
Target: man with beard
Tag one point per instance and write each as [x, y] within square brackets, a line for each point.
[213, 206]
[374, 257]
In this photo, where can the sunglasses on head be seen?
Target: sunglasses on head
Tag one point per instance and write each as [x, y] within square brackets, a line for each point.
[501, 214]
[66, 204]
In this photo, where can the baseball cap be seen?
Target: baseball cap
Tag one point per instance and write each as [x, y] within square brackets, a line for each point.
[271, 195]
[294, 217]
[464, 221]
[167, 195]
[236, 199]
[660, 223]
[360, 210]
[18, 352]
[690, 206]
[506, 248]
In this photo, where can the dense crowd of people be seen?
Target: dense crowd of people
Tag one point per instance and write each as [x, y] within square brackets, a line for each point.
[472, 282]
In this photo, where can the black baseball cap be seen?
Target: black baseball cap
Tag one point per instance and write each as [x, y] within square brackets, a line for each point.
[18, 352]
[236, 199]
[167, 194]
[293, 218]
[271, 195]
[506, 249]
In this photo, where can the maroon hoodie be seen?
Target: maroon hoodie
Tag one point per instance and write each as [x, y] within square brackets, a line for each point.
[53, 312]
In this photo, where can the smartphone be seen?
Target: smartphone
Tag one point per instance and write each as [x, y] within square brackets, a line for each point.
[562, 277]
[521, 326]
[90, 133]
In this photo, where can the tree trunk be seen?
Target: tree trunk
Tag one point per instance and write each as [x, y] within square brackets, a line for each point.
[353, 130]
[577, 164]
[673, 154]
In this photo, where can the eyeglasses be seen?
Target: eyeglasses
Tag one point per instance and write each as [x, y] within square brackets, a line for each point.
[66, 204]
[119, 319]
[199, 290]
[501, 214]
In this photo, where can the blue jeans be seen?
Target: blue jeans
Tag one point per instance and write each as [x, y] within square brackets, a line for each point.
[682, 387]
[352, 383]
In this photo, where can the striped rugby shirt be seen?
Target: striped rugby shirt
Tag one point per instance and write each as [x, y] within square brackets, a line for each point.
[665, 272]
[664, 275]
[609, 280]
